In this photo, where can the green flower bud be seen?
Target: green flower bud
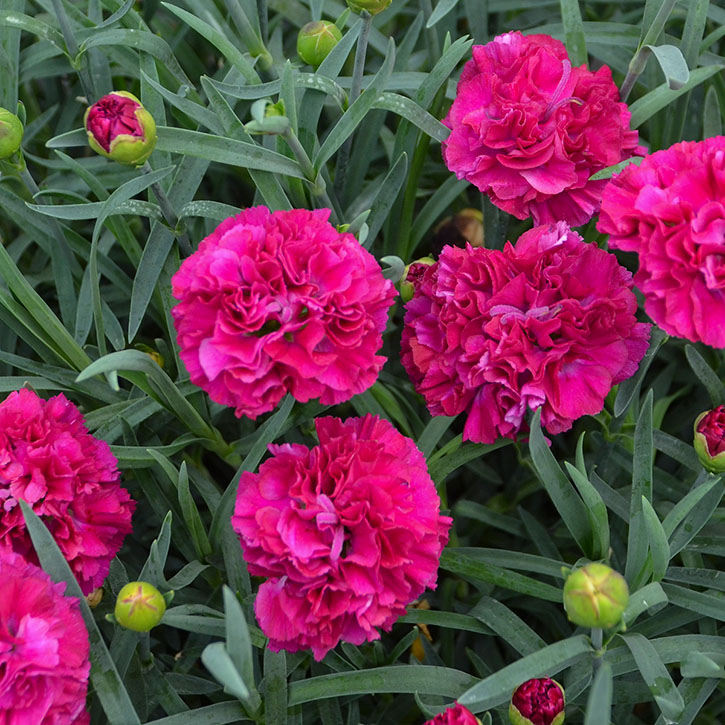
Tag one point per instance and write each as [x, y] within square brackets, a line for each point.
[412, 275]
[372, 6]
[11, 133]
[316, 40]
[709, 439]
[139, 606]
[595, 596]
[120, 128]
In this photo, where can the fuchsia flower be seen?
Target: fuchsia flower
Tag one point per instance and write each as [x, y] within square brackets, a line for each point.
[44, 663]
[529, 130]
[549, 323]
[70, 479]
[537, 702]
[456, 715]
[671, 211]
[280, 302]
[348, 532]
[120, 128]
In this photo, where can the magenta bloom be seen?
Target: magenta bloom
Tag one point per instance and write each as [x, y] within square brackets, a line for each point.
[44, 663]
[348, 532]
[529, 130]
[70, 479]
[280, 302]
[456, 715]
[549, 323]
[538, 702]
[671, 211]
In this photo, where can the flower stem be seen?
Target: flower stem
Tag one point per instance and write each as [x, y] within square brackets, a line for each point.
[73, 50]
[319, 188]
[596, 638]
[169, 214]
[358, 71]
[642, 54]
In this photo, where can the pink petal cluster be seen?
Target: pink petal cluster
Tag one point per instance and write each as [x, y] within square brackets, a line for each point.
[529, 130]
[540, 701]
[456, 715]
[44, 663]
[280, 302]
[112, 116]
[348, 532]
[70, 479]
[671, 211]
[549, 323]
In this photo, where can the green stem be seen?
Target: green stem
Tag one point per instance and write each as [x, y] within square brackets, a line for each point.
[358, 71]
[639, 60]
[73, 50]
[596, 638]
[169, 214]
[317, 183]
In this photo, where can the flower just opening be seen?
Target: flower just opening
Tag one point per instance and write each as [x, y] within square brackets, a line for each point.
[120, 128]
[529, 130]
[140, 606]
[280, 302]
[595, 596]
[670, 210]
[709, 439]
[549, 323]
[537, 702]
[69, 478]
[348, 534]
[44, 648]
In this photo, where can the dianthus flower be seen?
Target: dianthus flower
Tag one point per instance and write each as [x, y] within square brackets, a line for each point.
[456, 715]
[348, 532]
[529, 130]
[44, 663]
[671, 211]
[280, 302]
[69, 478]
[549, 323]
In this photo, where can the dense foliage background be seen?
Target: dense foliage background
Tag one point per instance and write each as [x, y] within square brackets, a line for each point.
[85, 264]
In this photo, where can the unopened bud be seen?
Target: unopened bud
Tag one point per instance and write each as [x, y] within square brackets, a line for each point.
[459, 229]
[11, 133]
[120, 128]
[537, 702]
[139, 606]
[710, 439]
[316, 40]
[595, 596]
[372, 6]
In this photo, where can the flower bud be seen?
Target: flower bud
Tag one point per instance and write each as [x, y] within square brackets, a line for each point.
[537, 702]
[466, 226]
[412, 277]
[139, 606]
[710, 439]
[456, 715]
[316, 40]
[120, 128]
[11, 133]
[595, 596]
[372, 6]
